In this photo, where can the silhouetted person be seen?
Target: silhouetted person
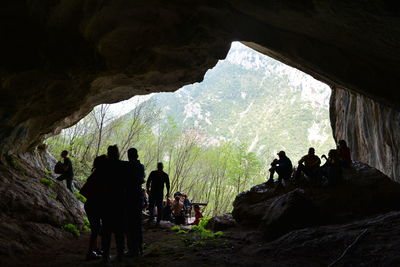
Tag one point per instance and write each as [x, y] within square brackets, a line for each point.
[114, 203]
[344, 153]
[135, 179]
[283, 166]
[332, 168]
[155, 187]
[94, 190]
[68, 172]
[309, 165]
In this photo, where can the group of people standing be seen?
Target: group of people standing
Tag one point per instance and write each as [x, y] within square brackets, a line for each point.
[114, 203]
[115, 200]
[309, 166]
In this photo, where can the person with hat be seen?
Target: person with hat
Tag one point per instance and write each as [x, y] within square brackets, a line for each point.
[282, 166]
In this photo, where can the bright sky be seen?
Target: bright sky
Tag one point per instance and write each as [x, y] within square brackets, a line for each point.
[123, 107]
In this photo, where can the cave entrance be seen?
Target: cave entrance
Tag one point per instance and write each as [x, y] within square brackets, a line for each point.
[216, 138]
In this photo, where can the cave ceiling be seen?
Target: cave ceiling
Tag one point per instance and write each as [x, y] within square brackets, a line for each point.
[60, 58]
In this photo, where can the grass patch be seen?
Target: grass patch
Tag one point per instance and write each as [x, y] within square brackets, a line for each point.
[86, 226]
[47, 182]
[71, 228]
[175, 228]
[80, 197]
[202, 233]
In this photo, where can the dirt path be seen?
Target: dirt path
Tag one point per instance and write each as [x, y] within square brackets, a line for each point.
[315, 246]
[163, 247]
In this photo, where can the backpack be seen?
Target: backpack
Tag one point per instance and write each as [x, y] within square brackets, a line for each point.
[59, 168]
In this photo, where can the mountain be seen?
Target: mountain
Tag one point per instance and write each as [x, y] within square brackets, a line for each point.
[256, 100]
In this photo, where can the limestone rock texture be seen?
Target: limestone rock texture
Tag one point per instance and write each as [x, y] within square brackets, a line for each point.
[31, 212]
[221, 223]
[61, 58]
[275, 211]
[371, 129]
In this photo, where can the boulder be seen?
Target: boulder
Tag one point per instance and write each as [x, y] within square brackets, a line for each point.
[294, 210]
[221, 223]
[365, 191]
[250, 206]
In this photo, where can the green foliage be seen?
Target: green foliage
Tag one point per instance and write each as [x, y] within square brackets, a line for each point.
[181, 232]
[47, 182]
[215, 138]
[175, 228]
[202, 232]
[86, 226]
[204, 221]
[46, 171]
[71, 228]
[219, 234]
[79, 196]
[53, 196]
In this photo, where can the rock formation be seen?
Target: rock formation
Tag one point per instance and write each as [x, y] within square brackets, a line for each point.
[276, 211]
[34, 207]
[61, 58]
[371, 129]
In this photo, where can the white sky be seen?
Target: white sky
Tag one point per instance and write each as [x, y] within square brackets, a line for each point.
[123, 107]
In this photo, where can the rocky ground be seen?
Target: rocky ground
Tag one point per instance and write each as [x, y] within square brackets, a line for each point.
[371, 242]
[356, 223]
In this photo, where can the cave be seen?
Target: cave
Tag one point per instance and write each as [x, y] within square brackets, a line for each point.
[62, 58]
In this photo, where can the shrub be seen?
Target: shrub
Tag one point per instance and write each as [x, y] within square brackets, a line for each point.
[175, 228]
[47, 182]
[202, 232]
[71, 228]
[203, 222]
[86, 226]
[80, 197]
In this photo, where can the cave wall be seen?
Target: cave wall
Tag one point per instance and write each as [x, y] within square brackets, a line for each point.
[60, 58]
[371, 129]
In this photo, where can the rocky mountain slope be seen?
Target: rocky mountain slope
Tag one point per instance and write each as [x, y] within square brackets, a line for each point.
[256, 100]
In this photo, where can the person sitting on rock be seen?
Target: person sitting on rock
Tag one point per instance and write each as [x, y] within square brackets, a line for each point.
[283, 166]
[197, 215]
[332, 169]
[344, 153]
[67, 172]
[177, 208]
[309, 165]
